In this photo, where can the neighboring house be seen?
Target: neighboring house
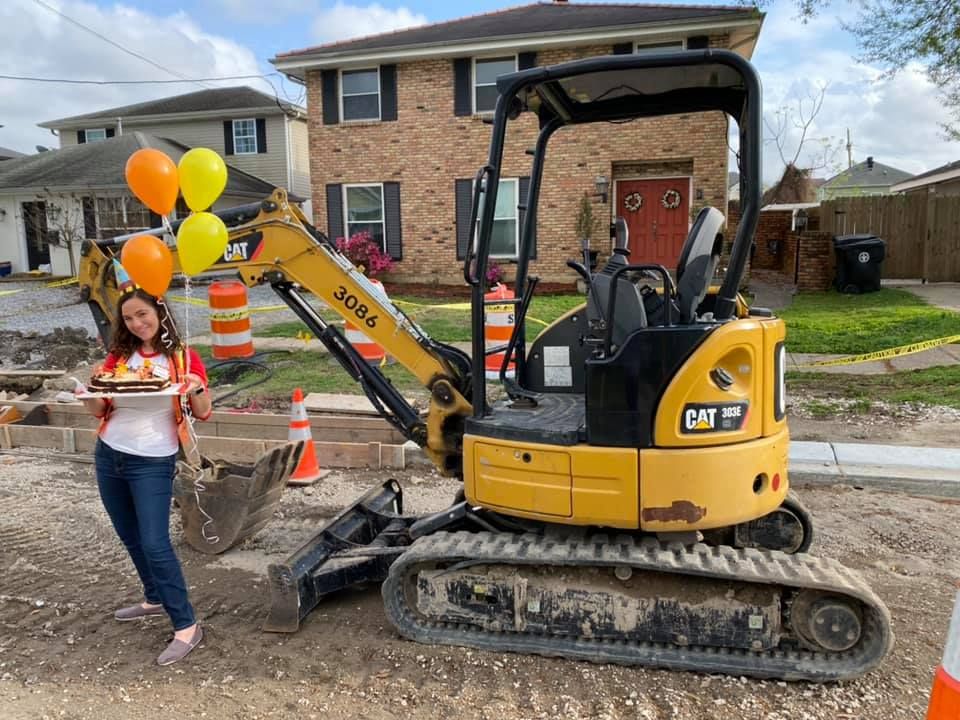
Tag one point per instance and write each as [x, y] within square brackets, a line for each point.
[944, 180]
[861, 180]
[50, 202]
[254, 132]
[397, 133]
[7, 154]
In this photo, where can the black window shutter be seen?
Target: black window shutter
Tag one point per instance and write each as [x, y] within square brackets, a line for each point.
[526, 60]
[463, 190]
[89, 218]
[623, 48]
[391, 209]
[331, 100]
[335, 212]
[462, 87]
[698, 42]
[523, 188]
[388, 92]
[81, 136]
[261, 135]
[228, 137]
[111, 132]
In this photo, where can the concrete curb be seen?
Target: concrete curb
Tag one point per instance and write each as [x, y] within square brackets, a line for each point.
[914, 470]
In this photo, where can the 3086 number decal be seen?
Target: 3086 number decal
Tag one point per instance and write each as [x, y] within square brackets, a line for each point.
[352, 303]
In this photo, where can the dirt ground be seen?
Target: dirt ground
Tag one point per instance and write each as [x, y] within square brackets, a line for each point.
[62, 573]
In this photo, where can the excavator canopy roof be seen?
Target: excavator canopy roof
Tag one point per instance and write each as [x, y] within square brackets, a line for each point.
[629, 86]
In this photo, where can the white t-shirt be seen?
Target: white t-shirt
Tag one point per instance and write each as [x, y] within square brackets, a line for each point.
[143, 425]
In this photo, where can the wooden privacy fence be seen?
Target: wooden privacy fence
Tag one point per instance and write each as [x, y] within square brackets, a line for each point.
[922, 232]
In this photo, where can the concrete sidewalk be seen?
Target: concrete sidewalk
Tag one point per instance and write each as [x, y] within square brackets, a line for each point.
[918, 470]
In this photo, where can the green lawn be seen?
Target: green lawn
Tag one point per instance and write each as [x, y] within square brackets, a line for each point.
[848, 324]
[449, 324]
[930, 386]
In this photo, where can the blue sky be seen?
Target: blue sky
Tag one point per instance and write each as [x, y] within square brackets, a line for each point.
[896, 120]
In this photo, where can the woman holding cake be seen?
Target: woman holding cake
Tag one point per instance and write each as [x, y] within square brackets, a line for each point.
[136, 455]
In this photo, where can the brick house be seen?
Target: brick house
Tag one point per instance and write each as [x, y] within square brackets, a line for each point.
[397, 133]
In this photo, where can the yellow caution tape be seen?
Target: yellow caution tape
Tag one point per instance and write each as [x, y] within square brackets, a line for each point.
[886, 354]
[198, 301]
[62, 283]
[228, 316]
[10, 292]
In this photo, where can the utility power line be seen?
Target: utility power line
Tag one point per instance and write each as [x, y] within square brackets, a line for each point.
[70, 81]
[116, 44]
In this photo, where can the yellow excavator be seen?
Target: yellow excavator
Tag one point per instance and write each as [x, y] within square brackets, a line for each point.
[627, 500]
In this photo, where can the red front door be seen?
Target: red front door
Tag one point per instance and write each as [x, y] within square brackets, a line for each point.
[657, 214]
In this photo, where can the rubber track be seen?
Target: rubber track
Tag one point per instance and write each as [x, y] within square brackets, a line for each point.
[720, 562]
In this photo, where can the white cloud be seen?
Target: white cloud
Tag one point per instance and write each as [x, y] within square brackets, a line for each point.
[36, 42]
[344, 21]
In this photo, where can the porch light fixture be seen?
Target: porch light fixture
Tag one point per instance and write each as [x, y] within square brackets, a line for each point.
[602, 186]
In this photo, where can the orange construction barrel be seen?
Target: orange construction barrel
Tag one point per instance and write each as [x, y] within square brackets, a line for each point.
[369, 350]
[498, 325]
[230, 320]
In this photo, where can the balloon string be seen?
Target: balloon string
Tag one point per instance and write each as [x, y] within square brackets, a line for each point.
[194, 460]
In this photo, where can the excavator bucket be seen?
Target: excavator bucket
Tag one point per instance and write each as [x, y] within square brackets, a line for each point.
[357, 546]
[232, 502]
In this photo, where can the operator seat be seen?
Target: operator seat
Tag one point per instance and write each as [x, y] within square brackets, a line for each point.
[698, 261]
[629, 312]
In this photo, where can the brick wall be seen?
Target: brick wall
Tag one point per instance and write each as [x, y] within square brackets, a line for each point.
[816, 261]
[427, 148]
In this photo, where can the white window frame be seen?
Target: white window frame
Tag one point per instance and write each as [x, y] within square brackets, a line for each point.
[256, 148]
[87, 131]
[346, 211]
[638, 47]
[473, 80]
[107, 207]
[341, 95]
[516, 219]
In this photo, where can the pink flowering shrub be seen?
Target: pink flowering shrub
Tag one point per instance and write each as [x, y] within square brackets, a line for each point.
[494, 274]
[365, 254]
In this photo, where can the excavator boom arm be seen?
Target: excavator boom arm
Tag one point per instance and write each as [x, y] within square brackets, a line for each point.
[273, 243]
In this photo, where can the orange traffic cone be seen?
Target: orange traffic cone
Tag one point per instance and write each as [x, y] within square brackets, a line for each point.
[945, 696]
[308, 471]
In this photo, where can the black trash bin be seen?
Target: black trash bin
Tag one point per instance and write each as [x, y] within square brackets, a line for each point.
[859, 258]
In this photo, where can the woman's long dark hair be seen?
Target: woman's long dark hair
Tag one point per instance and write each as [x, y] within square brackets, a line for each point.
[125, 343]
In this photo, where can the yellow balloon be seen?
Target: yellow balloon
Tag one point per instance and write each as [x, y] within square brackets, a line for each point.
[203, 176]
[201, 241]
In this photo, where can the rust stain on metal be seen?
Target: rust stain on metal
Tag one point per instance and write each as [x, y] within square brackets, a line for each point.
[679, 511]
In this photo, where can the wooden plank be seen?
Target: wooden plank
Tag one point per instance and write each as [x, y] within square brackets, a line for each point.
[32, 373]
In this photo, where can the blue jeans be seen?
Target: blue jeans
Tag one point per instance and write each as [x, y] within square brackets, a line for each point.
[136, 492]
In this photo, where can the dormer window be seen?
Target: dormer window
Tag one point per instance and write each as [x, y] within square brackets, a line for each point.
[95, 135]
[485, 74]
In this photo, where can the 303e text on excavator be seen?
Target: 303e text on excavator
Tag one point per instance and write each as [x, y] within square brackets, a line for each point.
[628, 501]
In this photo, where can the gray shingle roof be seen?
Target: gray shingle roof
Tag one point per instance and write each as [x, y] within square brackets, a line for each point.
[224, 99]
[949, 167]
[7, 153]
[100, 165]
[862, 175]
[538, 19]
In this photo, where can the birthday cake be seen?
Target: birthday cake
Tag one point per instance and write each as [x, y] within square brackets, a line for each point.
[123, 379]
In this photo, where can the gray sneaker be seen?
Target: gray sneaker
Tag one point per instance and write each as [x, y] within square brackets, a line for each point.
[135, 612]
[178, 649]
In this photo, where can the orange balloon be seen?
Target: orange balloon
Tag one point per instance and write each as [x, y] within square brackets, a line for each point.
[149, 262]
[153, 178]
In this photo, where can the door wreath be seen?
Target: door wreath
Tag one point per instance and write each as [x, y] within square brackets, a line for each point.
[633, 201]
[671, 199]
